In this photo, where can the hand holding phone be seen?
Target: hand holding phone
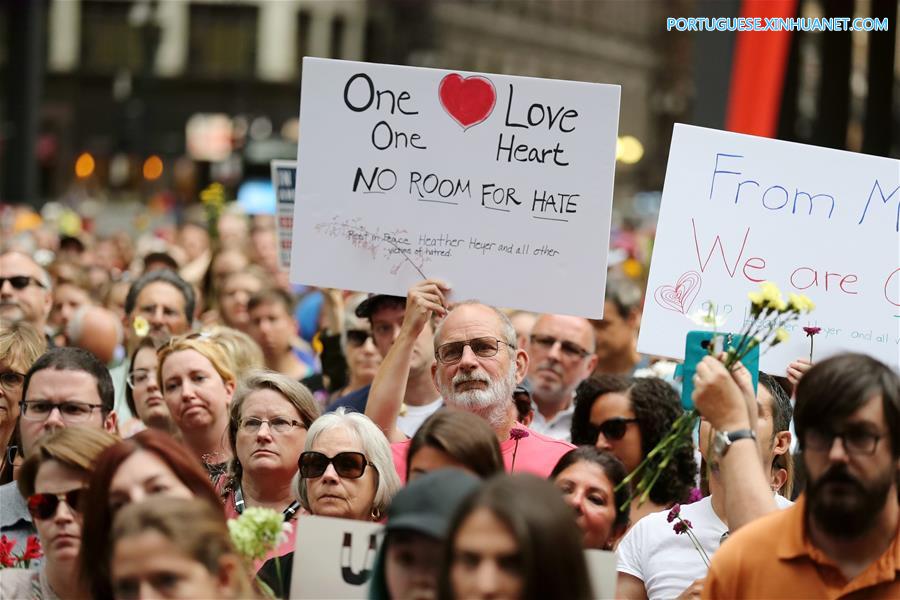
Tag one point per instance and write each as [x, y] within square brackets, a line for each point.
[696, 349]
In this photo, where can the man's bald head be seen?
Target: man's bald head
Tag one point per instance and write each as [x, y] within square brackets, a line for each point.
[96, 330]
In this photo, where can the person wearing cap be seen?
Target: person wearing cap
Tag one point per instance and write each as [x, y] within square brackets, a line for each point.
[410, 343]
[409, 559]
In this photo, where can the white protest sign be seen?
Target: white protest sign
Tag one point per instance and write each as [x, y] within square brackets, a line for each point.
[284, 180]
[738, 209]
[500, 185]
[334, 558]
[601, 566]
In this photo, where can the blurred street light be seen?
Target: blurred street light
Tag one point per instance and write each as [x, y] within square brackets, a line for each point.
[84, 165]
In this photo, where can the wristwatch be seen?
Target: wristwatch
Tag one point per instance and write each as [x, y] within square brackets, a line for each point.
[724, 439]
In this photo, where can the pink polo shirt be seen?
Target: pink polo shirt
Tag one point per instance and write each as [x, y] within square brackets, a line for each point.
[533, 453]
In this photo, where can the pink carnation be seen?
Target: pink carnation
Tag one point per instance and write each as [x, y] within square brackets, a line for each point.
[673, 514]
[682, 526]
[517, 434]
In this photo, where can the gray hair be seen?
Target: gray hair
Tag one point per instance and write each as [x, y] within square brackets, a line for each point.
[43, 275]
[506, 327]
[374, 445]
[297, 394]
[165, 276]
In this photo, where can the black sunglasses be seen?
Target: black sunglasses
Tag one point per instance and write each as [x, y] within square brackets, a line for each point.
[358, 337]
[615, 428]
[43, 506]
[20, 282]
[349, 465]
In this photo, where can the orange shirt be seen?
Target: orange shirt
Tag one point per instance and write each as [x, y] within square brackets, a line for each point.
[773, 558]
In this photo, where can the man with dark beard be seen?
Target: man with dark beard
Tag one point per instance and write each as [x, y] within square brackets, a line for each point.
[841, 538]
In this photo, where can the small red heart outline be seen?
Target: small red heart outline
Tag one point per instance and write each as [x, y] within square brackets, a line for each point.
[468, 101]
[679, 297]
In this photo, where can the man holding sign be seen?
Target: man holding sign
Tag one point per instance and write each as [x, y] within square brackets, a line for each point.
[477, 367]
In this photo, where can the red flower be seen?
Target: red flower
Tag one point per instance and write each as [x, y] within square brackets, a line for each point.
[673, 514]
[682, 526]
[32, 548]
[6, 548]
[695, 496]
[811, 331]
[517, 434]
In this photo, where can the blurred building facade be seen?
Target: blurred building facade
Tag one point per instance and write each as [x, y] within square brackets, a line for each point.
[212, 87]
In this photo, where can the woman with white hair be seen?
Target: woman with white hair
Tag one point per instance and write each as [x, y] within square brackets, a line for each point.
[346, 471]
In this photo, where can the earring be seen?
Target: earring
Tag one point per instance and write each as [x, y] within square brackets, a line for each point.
[376, 514]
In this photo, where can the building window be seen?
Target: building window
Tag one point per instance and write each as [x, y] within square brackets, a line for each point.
[106, 26]
[304, 22]
[338, 27]
[222, 41]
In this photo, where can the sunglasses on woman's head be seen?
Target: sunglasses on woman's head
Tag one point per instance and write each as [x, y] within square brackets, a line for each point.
[43, 506]
[349, 465]
[615, 428]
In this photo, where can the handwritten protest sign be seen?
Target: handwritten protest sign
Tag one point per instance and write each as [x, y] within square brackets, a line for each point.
[737, 210]
[284, 180]
[602, 572]
[334, 558]
[500, 185]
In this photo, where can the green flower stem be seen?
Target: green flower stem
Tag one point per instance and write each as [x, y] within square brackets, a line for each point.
[695, 542]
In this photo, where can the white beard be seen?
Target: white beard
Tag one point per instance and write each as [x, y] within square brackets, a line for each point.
[491, 403]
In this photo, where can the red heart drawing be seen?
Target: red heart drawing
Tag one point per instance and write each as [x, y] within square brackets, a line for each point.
[468, 101]
[679, 297]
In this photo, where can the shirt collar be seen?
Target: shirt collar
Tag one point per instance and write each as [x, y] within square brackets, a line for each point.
[795, 543]
[14, 509]
[792, 543]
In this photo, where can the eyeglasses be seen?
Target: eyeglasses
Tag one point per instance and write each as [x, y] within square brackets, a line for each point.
[20, 282]
[140, 377]
[615, 428]
[855, 441]
[570, 349]
[43, 506]
[11, 380]
[483, 347]
[357, 337]
[278, 424]
[349, 465]
[71, 412]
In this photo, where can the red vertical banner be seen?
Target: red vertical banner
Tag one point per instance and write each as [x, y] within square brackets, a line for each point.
[758, 68]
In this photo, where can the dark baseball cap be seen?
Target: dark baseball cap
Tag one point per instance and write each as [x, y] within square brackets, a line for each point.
[368, 306]
[427, 504]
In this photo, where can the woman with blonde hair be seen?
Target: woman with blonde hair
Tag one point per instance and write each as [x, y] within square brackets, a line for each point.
[53, 480]
[20, 345]
[197, 383]
[176, 548]
[243, 351]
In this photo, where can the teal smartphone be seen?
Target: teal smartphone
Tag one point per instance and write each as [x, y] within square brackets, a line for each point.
[697, 346]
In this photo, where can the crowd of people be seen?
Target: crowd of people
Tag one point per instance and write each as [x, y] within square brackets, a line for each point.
[150, 395]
